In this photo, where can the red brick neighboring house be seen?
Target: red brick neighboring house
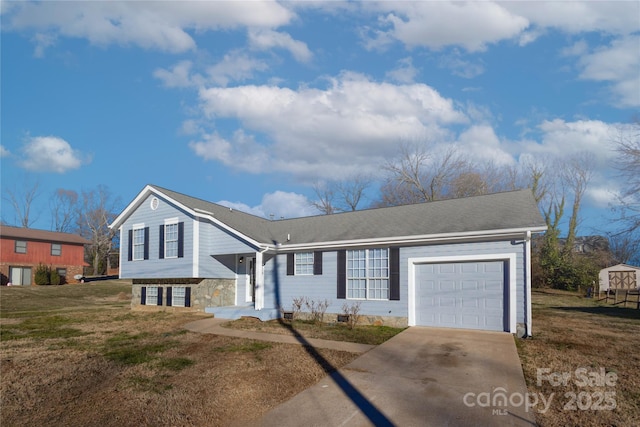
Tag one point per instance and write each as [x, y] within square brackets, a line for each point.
[22, 249]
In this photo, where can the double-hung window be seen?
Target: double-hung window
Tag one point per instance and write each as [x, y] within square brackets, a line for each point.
[56, 249]
[138, 243]
[171, 240]
[152, 295]
[21, 247]
[368, 274]
[304, 263]
[178, 296]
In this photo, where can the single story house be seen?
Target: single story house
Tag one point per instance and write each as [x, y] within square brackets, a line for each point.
[23, 249]
[620, 276]
[462, 263]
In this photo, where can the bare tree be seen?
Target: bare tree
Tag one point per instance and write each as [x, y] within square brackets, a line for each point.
[22, 199]
[624, 247]
[420, 174]
[628, 165]
[576, 174]
[325, 194]
[97, 209]
[352, 190]
[64, 210]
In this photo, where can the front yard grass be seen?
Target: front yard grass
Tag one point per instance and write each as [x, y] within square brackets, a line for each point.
[586, 341]
[76, 355]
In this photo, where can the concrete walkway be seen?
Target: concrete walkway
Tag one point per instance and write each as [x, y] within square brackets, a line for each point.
[421, 377]
[213, 325]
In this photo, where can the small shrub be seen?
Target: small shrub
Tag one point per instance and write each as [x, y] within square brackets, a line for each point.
[41, 276]
[54, 277]
[296, 307]
[317, 309]
[352, 311]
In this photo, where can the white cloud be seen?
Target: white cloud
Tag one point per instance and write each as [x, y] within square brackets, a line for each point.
[50, 154]
[461, 67]
[614, 17]
[480, 142]
[429, 24]
[405, 72]
[279, 204]
[264, 39]
[152, 25]
[235, 66]
[179, 75]
[4, 152]
[241, 152]
[560, 138]
[351, 125]
[618, 63]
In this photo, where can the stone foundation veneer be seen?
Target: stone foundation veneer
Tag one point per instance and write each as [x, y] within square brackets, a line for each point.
[396, 322]
[207, 293]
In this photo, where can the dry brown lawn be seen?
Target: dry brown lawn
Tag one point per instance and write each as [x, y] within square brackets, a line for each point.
[75, 355]
[582, 338]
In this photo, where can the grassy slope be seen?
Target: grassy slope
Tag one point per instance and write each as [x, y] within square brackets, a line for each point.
[572, 332]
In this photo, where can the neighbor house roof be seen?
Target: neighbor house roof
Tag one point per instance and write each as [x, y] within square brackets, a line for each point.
[43, 235]
[514, 211]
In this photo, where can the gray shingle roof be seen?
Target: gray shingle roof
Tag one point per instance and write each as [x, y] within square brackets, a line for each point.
[500, 211]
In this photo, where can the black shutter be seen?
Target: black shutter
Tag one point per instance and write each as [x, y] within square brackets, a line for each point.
[317, 263]
[187, 296]
[169, 296]
[161, 242]
[342, 274]
[160, 295]
[181, 240]
[146, 243]
[143, 295]
[130, 246]
[291, 265]
[394, 276]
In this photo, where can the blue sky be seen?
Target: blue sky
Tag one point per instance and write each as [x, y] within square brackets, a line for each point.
[251, 103]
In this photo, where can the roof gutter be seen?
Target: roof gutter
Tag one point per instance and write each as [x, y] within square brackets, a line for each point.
[412, 240]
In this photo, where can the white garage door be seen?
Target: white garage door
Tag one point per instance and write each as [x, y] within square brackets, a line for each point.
[468, 295]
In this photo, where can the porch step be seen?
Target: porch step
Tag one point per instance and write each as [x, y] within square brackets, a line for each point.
[236, 312]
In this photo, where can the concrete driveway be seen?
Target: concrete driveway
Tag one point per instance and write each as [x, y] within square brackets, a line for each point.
[421, 377]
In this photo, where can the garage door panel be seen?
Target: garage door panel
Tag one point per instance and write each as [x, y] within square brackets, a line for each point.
[461, 295]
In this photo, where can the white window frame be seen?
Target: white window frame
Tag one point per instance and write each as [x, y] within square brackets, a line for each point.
[57, 252]
[178, 300]
[137, 247]
[20, 247]
[369, 273]
[304, 262]
[173, 223]
[151, 298]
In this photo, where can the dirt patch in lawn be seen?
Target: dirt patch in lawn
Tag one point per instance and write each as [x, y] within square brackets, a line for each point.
[584, 355]
[104, 365]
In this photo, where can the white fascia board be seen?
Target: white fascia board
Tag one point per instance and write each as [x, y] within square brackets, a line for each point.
[197, 213]
[412, 240]
[131, 207]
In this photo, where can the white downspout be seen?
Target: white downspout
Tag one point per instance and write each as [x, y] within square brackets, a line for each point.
[527, 255]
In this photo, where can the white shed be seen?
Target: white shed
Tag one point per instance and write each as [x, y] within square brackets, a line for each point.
[621, 276]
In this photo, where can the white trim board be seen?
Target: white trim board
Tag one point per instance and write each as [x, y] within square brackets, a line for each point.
[511, 258]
